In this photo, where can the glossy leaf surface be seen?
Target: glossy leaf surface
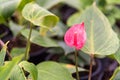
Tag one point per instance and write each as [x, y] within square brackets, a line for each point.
[52, 71]
[39, 16]
[101, 39]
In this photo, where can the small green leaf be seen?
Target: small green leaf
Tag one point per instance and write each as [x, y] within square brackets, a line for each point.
[17, 74]
[6, 70]
[52, 71]
[17, 51]
[116, 74]
[39, 16]
[15, 28]
[48, 3]
[31, 68]
[38, 39]
[7, 7]
[101, 39]
[2, 54]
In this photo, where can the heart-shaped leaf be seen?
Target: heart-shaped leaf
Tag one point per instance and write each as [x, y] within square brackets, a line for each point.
[52, 71]
[101, 39]
[39, 16]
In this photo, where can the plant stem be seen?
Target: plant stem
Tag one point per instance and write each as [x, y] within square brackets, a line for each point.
[76, 64]
[91, 62]
[28, 44]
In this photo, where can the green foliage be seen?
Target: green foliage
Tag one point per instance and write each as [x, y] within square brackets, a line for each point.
[2, 54]
[7, 7]
[38, 39]
[31, 68]
[79, 4]
[101, 39]
[17, 51]
[59, 30]
[52, 70]
[39, 16]
[113, 1]
[48, 3]
[17, 74]
[23, 3]
[15, 28]
[66, 48]
[116, 74]
[6, 70]
[71, 68]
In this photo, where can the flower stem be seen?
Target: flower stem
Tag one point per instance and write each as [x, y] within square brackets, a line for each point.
[91, 62]
[76, 64]
[28, 44]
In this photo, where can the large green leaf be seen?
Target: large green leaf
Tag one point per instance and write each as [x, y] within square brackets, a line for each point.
[7, 7]
[6, 70]
[31, 68]
[39, 16]
[48, 3]
[17, 74]
[116, 74]
[38, 39]
[2, 54]
[101, 39]
[52, 71]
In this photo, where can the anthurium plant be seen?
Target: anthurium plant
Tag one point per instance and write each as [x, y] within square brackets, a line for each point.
[39, 22]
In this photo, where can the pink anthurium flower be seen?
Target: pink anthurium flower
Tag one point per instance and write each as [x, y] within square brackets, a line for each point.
[76, 36]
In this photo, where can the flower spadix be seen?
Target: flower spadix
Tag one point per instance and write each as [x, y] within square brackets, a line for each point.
[76, 36]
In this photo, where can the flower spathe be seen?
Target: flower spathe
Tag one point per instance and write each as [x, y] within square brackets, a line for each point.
[76, 36]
